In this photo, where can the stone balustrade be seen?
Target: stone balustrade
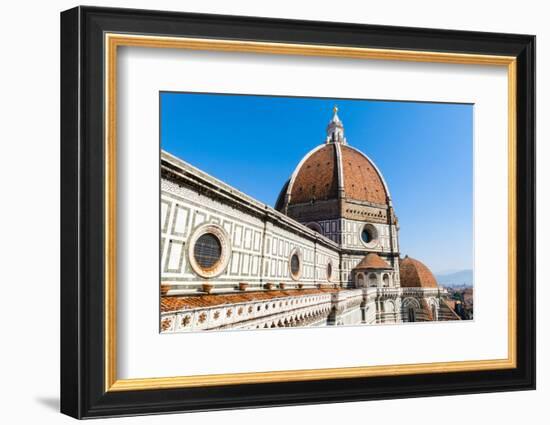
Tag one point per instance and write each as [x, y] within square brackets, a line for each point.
[250, 314]
[272, 309]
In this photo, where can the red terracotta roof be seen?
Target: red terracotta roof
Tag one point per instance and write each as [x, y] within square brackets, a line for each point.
[361, 180]
[415, 274]
[172, 303]
[372, 261]
[317, 178]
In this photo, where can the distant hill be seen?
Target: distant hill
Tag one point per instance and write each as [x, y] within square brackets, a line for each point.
[458, 278]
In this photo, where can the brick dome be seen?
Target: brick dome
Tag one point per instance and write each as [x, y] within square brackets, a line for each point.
[372, 261]
[334, 170]
[414, 274]
[316, 177]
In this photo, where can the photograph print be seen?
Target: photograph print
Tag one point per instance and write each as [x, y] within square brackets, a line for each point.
[283, 212]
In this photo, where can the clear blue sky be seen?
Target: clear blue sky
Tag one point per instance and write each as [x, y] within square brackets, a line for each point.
[424, 151]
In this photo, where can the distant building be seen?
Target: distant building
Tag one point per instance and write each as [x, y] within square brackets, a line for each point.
[327, 254]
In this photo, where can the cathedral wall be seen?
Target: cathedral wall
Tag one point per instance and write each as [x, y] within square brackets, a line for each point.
[182, 211]
[331, 229]
[386, 235]
[279, 246]
[325, 257]
[259, 248]
[369, 312]
[353, 316]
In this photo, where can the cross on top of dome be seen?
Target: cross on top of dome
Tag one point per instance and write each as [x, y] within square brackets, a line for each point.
[335, 129]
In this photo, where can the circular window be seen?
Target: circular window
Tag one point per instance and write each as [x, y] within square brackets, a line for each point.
[295, 264]
[329, 271]
[209, 250]
[368, 234]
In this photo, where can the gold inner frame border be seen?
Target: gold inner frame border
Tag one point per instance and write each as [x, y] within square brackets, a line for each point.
[113, 40]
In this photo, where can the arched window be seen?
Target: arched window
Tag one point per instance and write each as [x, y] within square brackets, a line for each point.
[329, 271]
[386, 280]
[373, 280]
[315, 227]
[360, 280]
[411, 314]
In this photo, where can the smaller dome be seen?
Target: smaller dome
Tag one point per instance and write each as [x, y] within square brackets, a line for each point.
[373, 261]
[414, 274]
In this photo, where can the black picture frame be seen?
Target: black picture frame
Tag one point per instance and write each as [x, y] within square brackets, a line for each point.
[83, 392]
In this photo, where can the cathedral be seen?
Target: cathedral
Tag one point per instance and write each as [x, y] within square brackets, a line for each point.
[326, 255]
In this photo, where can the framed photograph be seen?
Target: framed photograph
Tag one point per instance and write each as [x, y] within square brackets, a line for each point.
[261, 212]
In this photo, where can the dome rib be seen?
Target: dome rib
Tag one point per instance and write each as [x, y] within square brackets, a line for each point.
[333, 171]
[279, 203]
[387, 196]
[296, 170]
[314, 177]
[339, 168]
